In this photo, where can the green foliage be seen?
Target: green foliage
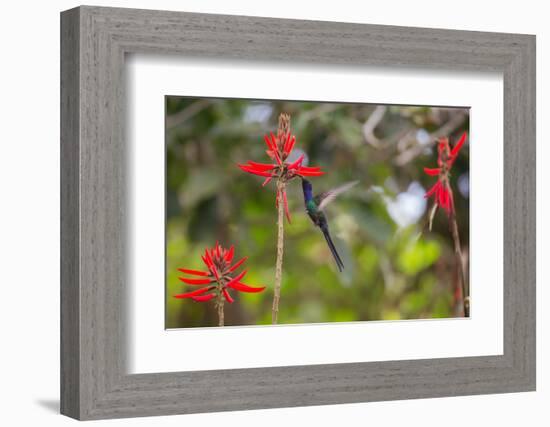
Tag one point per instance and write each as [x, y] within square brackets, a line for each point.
[417, 256]
[393, 270]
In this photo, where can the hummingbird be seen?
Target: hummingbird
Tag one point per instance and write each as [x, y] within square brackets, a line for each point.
[315, 206]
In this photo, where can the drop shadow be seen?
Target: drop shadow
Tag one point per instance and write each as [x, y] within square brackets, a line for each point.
[51, 405]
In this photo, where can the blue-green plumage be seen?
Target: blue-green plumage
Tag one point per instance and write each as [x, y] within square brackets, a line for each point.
[314, 208]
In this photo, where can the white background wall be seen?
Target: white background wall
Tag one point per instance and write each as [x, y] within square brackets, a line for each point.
[29, 212]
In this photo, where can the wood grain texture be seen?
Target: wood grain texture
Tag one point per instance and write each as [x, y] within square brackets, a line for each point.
[70, 291]
[94, 382]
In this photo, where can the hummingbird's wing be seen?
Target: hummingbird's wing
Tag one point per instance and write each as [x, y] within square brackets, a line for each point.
[328, 196]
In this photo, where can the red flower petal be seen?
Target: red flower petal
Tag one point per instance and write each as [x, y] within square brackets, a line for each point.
[208, 258]
[261, 166]
[274, 141]
[304, 172]
[241, 287]
[432, 190]
[297, 163]
[310, 169]
[458, 146]
[266, 181]
[194, 293]
[205, 261]
[432, 171]
[227, 296]
[278, 158]
[253, 171]
[211, 265]
[236, 278]
[443, 196]
[203, 298]
[275, 149]
[441, 199]
[443, 143]
[195, 272]
[439, 196]
[289, 144]
[271, 147]
[230, 253]
[237, 264]
[195, 281]
[447, 199]
[287, 213]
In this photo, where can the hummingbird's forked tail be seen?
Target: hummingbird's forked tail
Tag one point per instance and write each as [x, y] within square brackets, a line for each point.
[332, 248]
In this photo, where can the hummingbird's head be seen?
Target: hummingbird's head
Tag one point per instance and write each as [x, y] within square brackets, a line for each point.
[307, 187]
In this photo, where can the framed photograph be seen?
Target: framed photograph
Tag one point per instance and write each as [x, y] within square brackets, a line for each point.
[279, 213]
[376, 261]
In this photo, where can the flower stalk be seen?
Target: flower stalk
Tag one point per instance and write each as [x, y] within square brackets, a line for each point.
[460, 265]
[282, 170]
[220, 303]
[280, 253]
[282, 207]
[442, 193]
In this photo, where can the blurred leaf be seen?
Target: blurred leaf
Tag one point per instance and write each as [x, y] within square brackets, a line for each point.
[418, 256]
[350, 131]
[391, 315]
[200, 185]
[414, 302]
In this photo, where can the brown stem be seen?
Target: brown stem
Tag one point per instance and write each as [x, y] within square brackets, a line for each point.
[219, 304]
[280, 251]
[460, 262]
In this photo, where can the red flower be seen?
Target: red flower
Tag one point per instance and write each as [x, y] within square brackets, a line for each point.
[441, 190]
[279, 149]
[218, 278]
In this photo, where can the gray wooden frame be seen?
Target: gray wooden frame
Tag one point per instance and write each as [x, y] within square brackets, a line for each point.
[94, 41]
